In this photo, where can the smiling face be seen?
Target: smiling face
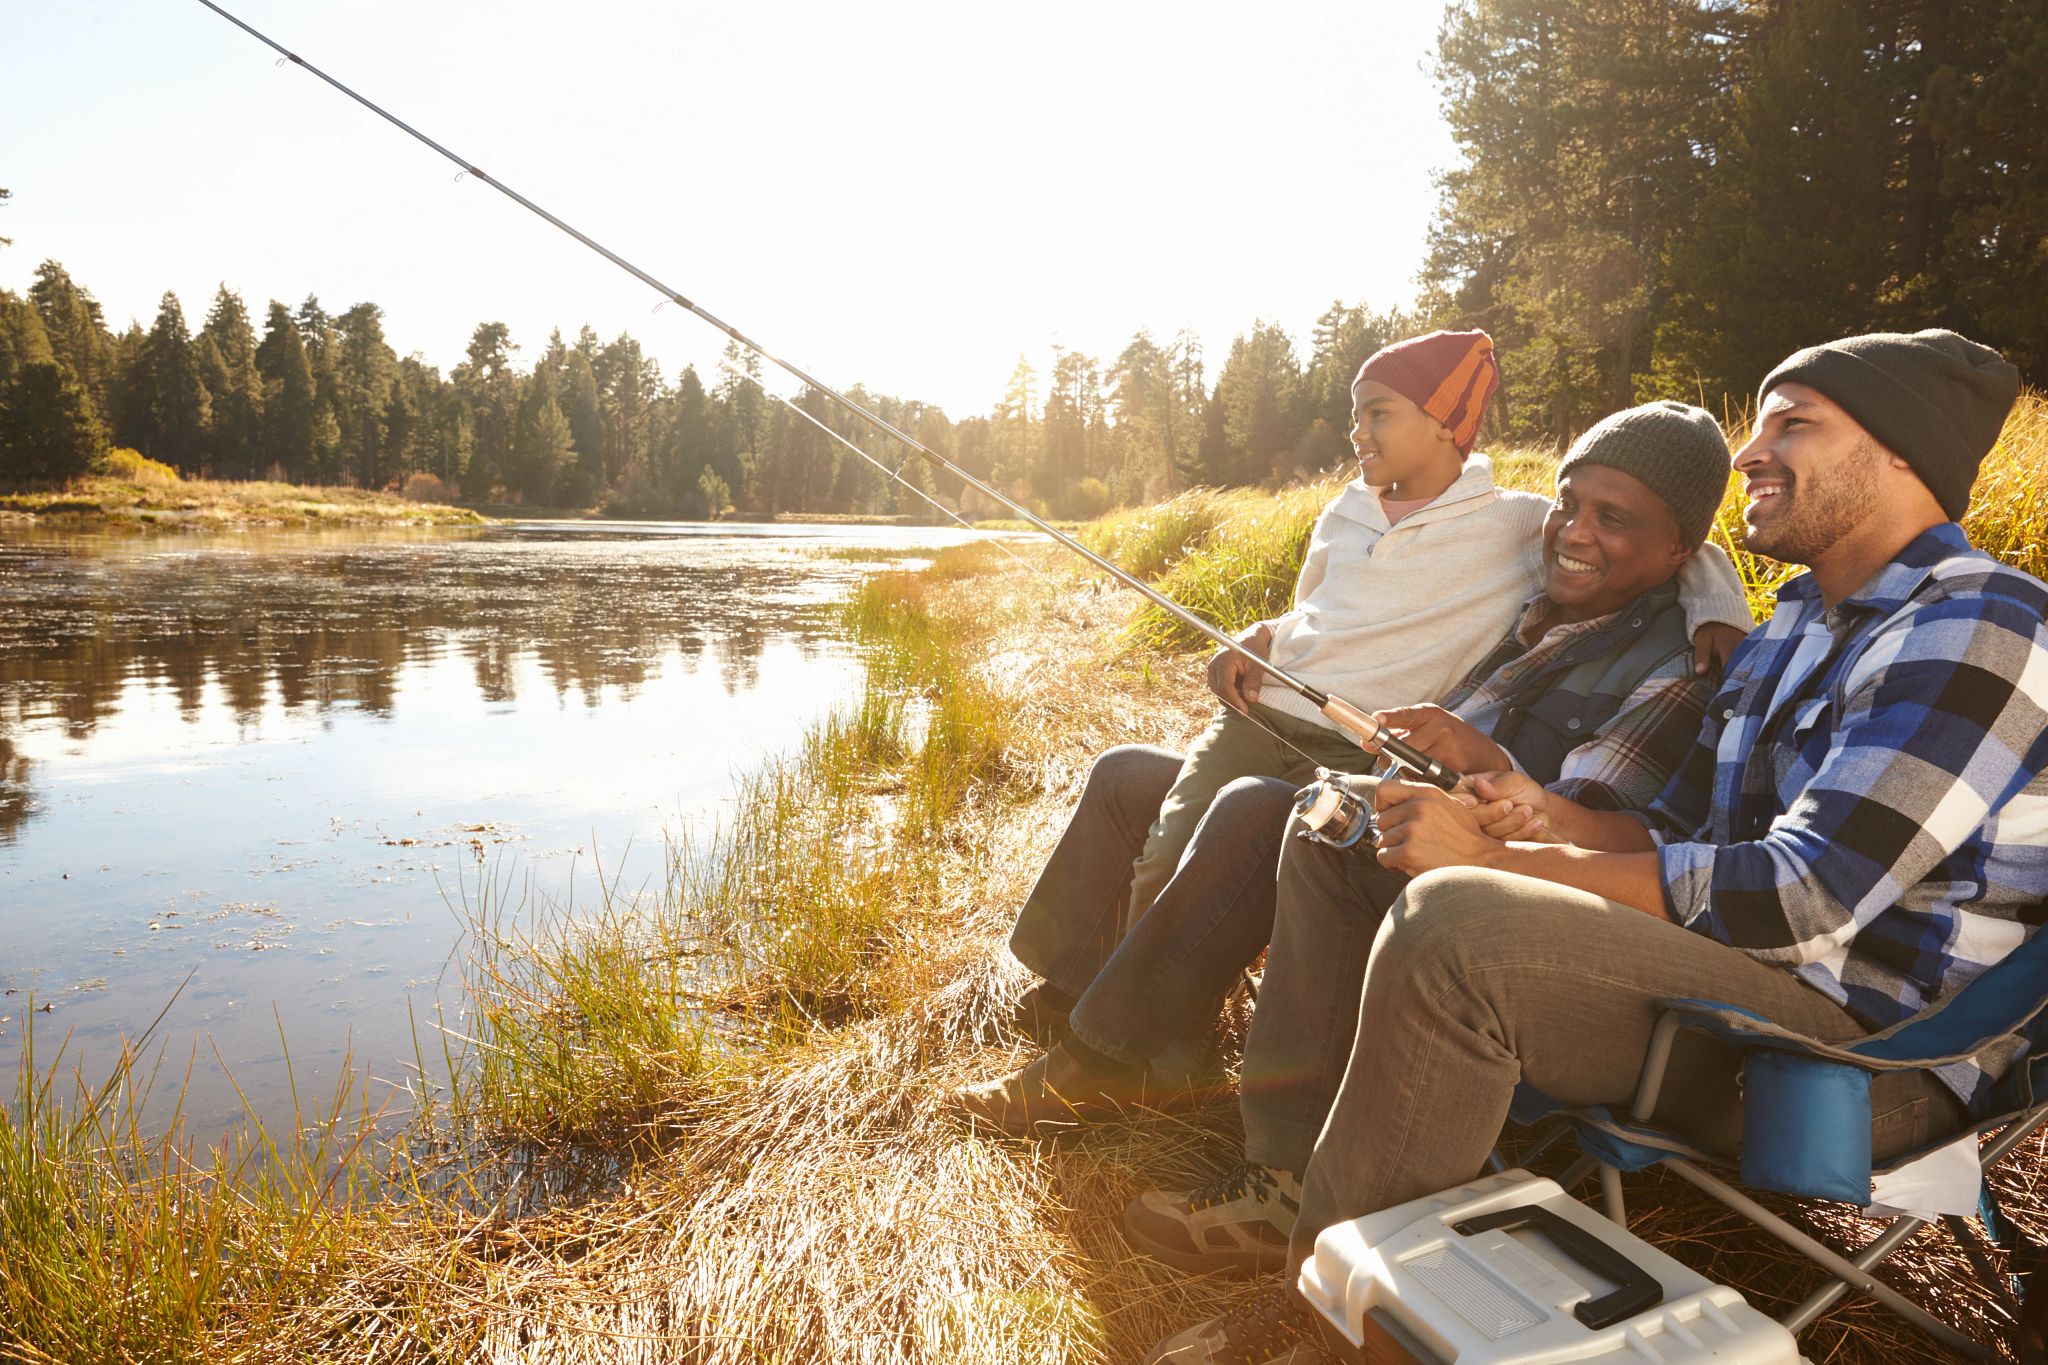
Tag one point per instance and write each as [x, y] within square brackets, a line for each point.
[1402, 451]
[1812, 475]
[1607, 540]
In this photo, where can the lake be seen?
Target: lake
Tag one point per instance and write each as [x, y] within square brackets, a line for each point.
[272, 761]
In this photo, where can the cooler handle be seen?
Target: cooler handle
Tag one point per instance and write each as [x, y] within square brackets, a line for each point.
[1638, 1289]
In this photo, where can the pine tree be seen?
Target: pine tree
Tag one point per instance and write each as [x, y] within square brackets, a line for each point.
[1259, 389]
[236, 387]
[1585, 130]
[363, 369]
[286, 431]
[48, 431]
[544, 450]
[76, 328]
[491, 391]
[23, 342]
[178, 410]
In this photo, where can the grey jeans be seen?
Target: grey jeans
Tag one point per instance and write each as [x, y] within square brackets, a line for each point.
[1479, 980]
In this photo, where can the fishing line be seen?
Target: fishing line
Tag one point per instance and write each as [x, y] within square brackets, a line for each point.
[1353, 720]
[896, 474]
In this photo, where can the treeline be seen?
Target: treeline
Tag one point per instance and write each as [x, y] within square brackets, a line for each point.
[1655, 198]
[317, 397]
[1666, 197]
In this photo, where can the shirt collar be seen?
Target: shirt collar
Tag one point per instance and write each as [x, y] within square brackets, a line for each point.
[1360, 502]
[1892, 586]
[1655, 599]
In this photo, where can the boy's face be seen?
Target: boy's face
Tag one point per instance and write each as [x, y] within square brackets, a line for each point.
[1606, 540]
[1402, 450]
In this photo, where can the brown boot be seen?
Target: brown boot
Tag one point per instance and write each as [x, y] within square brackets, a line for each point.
[1041, 1014]
[1052, 1093]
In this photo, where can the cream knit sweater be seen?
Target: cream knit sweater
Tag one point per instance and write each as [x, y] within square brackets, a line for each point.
[1390, 616]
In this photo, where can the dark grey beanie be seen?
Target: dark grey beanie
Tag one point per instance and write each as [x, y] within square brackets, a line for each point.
[1676, 449]
[1934, 399]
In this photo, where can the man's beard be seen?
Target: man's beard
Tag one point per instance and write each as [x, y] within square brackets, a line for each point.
[1823, 509]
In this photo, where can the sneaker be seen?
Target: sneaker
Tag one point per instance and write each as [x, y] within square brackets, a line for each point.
[1040, 1016]
[1276, 1328]
[1054, 1092]
[1237, 1224]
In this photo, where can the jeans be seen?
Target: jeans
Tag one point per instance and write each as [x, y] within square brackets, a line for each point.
[1156, 982]
[1267, 743]
[1479, 980]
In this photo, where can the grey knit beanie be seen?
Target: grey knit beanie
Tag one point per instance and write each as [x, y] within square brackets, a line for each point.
[1676, 449]
[1934, 399]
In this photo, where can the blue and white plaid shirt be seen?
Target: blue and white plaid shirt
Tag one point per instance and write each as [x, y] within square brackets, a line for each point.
[1867, 803]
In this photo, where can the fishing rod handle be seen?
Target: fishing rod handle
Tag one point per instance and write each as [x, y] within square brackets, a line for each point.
[1377, 738]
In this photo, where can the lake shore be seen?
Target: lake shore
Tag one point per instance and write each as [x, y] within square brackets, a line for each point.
[103, 500]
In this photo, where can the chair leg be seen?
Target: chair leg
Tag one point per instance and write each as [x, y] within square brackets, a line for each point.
[1610, 1193]
[1973, 1247]
[1577, 1172]
[1847, 1272]
[1831, 1293]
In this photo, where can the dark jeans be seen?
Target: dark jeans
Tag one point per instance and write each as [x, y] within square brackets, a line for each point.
[1330, 903]
[1165, 979]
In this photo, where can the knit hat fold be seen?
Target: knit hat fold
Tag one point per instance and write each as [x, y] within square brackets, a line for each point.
[1449, 375]
[1935, 399]
[1677, 450]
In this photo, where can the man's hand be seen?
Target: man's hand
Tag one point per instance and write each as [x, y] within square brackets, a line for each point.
[1513, 806]
[1712, 644]
[1235, 678]
[1445, 738]
[1423, 827]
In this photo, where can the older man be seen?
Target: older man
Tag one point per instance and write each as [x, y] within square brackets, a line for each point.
[1856, 833]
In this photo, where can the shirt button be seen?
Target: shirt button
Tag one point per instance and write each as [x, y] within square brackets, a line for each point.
[1636, 623]
[1574, 724]
[1729, 714]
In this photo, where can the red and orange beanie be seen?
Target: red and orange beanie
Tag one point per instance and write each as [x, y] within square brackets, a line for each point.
[1449, 375]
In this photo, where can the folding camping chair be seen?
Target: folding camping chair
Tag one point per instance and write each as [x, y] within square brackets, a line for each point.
[1806, 1131]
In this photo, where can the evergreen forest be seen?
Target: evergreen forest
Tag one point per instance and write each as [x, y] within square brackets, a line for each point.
[1652, 198]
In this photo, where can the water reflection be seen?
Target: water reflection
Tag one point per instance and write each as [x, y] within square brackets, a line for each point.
[273, 757]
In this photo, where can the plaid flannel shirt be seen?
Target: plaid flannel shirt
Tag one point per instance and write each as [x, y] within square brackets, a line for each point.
[1630, 759]
[1866, 804]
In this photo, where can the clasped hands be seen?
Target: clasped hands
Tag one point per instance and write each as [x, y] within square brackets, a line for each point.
[1422, 827]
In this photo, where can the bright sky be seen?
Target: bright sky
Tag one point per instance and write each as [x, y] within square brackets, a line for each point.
[906, 193]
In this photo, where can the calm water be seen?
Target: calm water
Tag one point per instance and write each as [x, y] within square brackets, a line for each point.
[271, 760]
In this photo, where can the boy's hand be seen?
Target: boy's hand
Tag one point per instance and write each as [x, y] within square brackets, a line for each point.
[1513, 807]
[1445, 738]
[1235, 678]
[1424, 827]
[1712, 644]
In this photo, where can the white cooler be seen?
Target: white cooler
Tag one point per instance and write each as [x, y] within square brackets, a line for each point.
[1510, 1268]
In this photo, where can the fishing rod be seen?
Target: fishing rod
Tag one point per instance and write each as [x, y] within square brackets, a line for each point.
[896, 474]
[1352, 720]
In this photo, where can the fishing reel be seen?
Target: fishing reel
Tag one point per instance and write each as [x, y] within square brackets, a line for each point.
[1332, 814]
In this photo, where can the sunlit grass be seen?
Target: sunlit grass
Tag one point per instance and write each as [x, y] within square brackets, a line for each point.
[122, 1244]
